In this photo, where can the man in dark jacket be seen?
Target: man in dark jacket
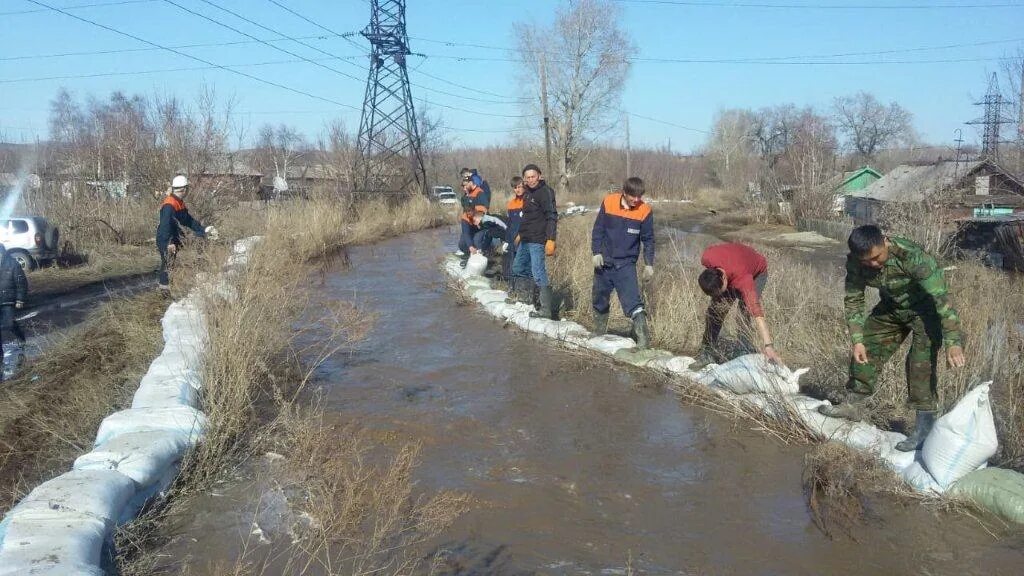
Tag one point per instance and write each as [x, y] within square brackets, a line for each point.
[536, 239]
[623, 222]
[173, 215]
[13, 293]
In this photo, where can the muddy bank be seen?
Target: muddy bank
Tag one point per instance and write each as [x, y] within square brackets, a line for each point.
[579, 466]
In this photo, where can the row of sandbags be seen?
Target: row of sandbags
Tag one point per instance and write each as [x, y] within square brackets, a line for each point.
[958, 448]
[64, 525]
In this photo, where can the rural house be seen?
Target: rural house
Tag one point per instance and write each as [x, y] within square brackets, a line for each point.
[963, 189]
[227, 175]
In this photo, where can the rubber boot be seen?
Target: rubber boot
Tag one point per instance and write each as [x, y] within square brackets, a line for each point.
[546, 297]
[925, 421]
[642, 331]
[705, 356]
[854, 408]
[600, 323]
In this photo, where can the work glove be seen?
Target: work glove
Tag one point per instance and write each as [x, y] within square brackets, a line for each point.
[549, 248]
[172, 249]
[19, 304]
[598, 261]
[212, 233]
[504, 248]
[648, 272]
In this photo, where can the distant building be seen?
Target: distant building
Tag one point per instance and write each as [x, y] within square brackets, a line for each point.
[230, 176]
[958, 188]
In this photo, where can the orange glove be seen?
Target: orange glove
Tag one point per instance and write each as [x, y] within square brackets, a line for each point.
[549, 248]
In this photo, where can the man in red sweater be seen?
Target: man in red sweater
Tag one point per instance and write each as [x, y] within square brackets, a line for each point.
[733, 272]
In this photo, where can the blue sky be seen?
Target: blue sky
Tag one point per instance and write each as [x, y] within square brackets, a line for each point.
[682, 93]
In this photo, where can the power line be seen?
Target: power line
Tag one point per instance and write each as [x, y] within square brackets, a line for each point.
[744, 61]
[191, 57]
[771, 5]
[79, 7]
[335, 70]
[761, 58]
[672, 124]
[181, 46]
[144, 72]
[314, 23]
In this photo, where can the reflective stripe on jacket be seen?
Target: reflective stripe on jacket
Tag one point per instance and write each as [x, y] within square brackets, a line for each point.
[618, 232]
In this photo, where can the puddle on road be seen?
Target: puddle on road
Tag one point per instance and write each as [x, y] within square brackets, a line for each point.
[580, 467]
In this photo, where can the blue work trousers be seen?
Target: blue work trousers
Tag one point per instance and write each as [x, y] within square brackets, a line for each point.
[623, 280]
[466, 237]
[530, 262]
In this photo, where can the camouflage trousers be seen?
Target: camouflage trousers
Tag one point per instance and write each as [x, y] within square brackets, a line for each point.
[884, 332]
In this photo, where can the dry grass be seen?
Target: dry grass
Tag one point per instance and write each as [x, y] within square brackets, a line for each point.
[49, 415]
[805, 314]
[256, 369]
[839, 481]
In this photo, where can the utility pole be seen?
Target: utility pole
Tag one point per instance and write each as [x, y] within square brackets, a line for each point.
[629, 164]
[390, 154]
[544, 105]
[993, 104]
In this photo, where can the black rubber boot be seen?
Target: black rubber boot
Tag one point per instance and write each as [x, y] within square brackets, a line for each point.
[600, 324]
[854, 408]
[642, 331]
[925, 421]
[546, 297]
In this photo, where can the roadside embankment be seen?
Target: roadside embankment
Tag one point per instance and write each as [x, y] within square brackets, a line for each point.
[806, 320]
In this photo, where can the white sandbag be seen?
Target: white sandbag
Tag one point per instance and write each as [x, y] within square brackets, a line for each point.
[868, 438]
[452, 267]
[495, 309]
[754, 373]
[171, 391]
[963, 439]
[41, 539]
[101, 494]
[486, 297]
[822, 425]
[609, 344]
[920, 479]
[182, 419]
[673, 365]
[246, 245]
[144, 457]
[560, 330]
[897, 459]
[478, 283]
[475, 266]
[166, 367]
[145, 494]
[182, 356]
[53, 570]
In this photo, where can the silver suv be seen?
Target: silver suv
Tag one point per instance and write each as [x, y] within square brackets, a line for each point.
[30, 240]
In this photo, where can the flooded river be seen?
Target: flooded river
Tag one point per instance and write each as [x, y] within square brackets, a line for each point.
[580, 466]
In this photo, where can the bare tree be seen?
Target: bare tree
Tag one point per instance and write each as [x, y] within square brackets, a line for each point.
[585, 56]
[731, 146]
[279, 148]
[339, 154]
[868, 125]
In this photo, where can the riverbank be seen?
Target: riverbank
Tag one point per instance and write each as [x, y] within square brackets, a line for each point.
[255, 394]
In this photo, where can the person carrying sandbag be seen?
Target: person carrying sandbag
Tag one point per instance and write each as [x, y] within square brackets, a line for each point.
[174, 214]
[733, 272]
[913, 303]
[623, 221]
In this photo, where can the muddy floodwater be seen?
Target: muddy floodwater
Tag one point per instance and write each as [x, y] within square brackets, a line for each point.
[580, 466]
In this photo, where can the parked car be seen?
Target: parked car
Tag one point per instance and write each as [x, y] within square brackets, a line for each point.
[31, 240]
[445, 195]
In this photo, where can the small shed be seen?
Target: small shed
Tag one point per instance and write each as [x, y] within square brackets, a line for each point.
[230, 176]
[996, 240]
[858, 179]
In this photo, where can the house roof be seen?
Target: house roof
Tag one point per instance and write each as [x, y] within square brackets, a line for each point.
[907, 183]
[854, 174]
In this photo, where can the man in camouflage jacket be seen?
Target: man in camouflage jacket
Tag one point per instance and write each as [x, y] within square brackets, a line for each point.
[913, 302]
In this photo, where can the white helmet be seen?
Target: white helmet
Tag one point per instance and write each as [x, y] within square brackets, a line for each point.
[179, 181]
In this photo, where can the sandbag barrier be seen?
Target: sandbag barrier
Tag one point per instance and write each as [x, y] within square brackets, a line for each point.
[65, 525]
[954, 456]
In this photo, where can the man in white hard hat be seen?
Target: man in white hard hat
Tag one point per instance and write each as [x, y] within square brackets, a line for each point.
[173, 215]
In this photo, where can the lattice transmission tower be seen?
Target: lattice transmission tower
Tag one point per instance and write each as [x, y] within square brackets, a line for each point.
[993, 119]
[391, 157]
